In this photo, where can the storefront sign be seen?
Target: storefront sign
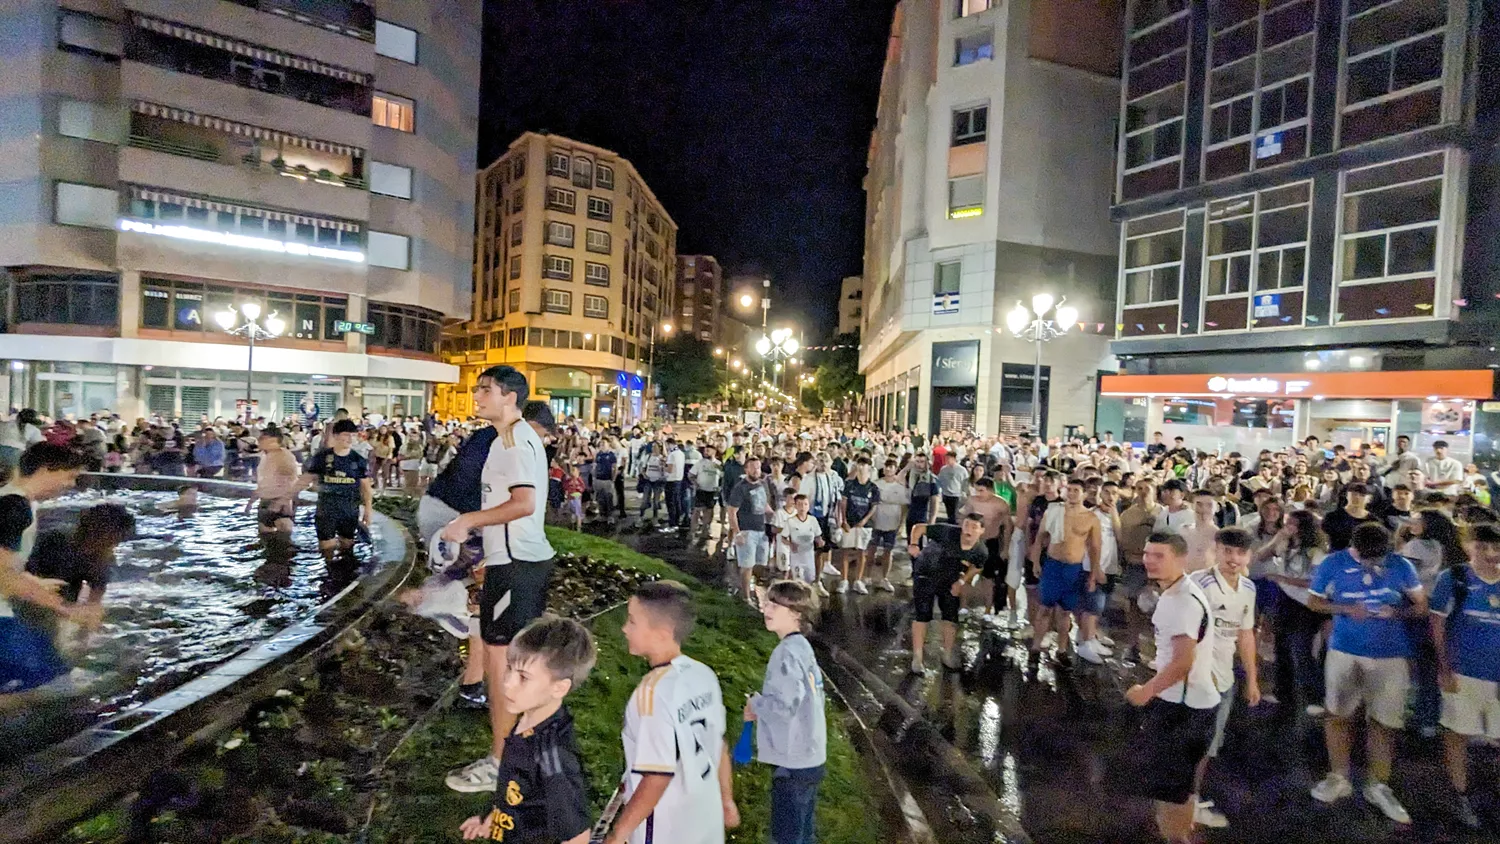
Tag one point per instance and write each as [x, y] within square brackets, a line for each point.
[344, 326]
[1267, 305]
[1445, 383]
[955, 364]
[945, 303]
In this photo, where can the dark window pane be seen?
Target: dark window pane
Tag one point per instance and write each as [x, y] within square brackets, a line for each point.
[156, 307]
[332, 314]
[1369, 77]
[1293, 267]
[189, 311]
[1417, 62]
[307, 321]
[1364, 257]
[1413, 251]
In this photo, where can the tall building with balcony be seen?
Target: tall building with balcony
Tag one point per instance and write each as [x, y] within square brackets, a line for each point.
[165, 160]
[851, 304]
[1309, 223]
[988, 180]
[700, 296]
[574, 274]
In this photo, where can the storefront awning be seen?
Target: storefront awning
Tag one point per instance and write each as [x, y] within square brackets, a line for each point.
[1442, 384]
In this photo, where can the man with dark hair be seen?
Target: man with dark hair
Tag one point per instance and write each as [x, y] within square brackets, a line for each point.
[951, 556]
[345, 490]
[1070, 532]
[1340, 524]
[1180, 700]
[518, 559]
[1369, 591]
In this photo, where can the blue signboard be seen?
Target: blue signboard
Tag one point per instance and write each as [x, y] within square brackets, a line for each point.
[1267, 305]
[1268, 145]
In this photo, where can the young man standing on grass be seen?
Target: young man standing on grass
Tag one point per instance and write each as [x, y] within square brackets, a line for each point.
[518, 559]
[678, 788]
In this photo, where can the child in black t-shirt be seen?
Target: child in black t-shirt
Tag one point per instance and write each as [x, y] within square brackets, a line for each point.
[87, 556]
[540, 797]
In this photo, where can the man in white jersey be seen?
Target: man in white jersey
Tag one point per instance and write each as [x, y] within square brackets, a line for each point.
[678, 788]
[803, 534]
[517, 556]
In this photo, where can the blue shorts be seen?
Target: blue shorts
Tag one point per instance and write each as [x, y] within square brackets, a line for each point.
[27, 657]
[1095, 601]
[1062, 584]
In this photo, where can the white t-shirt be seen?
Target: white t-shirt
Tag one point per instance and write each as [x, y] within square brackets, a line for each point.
[674, 724]
[1175, 520]
[893, 496]
[1447, 469]
[1109, 549]
[1182, 611]
[516, 459]
[800, 536]
[676, 463]
[1233, 611]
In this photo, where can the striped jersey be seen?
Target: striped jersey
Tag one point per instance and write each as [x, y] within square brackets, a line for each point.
[674, 725]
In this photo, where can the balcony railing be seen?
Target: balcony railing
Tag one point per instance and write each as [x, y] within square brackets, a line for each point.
[201, 153]
[209, 153]
[350, 17]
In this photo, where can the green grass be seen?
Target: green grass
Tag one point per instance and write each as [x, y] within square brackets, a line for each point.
[729, 638]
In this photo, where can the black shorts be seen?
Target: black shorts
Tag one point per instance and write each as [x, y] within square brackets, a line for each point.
[883, 538]
[337, 518]
[1174, 738]
[512, 596]
[926, 591]
[825, 524]
[269, 512]
[916, 514]
[705, 498]
[994, 561]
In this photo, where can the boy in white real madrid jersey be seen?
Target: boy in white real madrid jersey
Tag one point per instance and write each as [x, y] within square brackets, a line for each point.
[677, 777]
[518, 559]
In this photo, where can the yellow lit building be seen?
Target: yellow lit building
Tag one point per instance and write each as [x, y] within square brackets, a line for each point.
[574, 266]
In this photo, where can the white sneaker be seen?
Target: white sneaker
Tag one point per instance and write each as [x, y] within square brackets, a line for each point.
[1087, 653]
[1379, 794]
[1101, 647]
[1104, 640]
[1206, 815]
[1316, 710]
[843, 587]
[887, 586]
[916, 665]
[830, 571]
[479, 775]
[1332, 789]
[860, 588]
[822, 590]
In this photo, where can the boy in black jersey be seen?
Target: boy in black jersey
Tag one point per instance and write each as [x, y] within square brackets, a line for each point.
[951, 557]
[345, 490]
[540, 796]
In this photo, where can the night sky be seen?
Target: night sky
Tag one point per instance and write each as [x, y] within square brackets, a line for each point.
[749, 119]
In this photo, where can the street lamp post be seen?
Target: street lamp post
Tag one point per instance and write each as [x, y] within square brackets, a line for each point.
[251, 330]
[1033, 326]
[777, 344]
[666, 328]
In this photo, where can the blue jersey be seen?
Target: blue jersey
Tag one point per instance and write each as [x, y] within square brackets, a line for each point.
[1474, 632]
[604, 464]
[1341, 579]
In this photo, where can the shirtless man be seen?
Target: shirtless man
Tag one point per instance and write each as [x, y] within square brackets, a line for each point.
[275, 487]
[1068, 533]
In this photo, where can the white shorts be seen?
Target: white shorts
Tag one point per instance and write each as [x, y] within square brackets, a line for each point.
[1473, 710]
[803, 567]
[751, 548]
[856, 539]
[1377, 684]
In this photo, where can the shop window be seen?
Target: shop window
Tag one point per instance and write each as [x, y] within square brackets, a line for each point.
[1393, 68]
[1390, 222]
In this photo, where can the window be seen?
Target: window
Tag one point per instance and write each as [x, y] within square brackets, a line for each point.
[557, 267]
[598, 241]
[965, 197]
[84, 205]
[964, 8]
[78, 32]
[972, 48]
[390, 180]
[559, 164]
[601, 209]
[516, 337]
[557, 301]
[970, 125]
[513, 301]
[1155, 98]
[1258, 98]
[560, 234]
[596, 307]
[1256, 245]
[518, 167]
[1393, 70]
[394, 112]
[1391, 217]
[562, 199]
[945, 277]
[67, 298]
[517, 201]
[405, 328]
[515, 233]
[515, 266]
[596, 273]
[1151, 275]
[388, 250]
[583, 172]
[395, 42]
[92, 121]
[604, 176]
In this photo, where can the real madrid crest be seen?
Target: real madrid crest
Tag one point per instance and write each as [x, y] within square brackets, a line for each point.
[1495, 602]
[1368, 579]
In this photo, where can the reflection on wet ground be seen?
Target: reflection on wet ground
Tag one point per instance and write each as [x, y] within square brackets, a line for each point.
[1049, 741]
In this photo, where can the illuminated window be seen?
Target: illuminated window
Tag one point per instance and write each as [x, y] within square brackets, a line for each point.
[596, 307]
[394, 112]
[964, 8]
[966, 197]
[974, 48]
[604, 175]
[557, 301]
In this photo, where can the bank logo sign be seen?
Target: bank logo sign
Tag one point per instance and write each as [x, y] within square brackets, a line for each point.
[1255, 386]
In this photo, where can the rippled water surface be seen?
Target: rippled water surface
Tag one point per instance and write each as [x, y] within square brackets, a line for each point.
[191, 591]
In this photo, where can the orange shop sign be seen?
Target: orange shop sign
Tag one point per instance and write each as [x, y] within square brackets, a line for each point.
[1443, 383]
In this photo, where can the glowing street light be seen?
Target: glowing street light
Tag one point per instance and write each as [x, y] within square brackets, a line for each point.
[230, 320]
[1033, 326]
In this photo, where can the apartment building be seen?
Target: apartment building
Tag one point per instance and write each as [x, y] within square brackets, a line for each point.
[165, 161]
[851, 304]
[1309, 224]
[574, 271]
[990, 171]
[700, 296]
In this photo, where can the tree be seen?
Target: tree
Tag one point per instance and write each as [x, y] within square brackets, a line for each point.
[686, 370]
[838, 370]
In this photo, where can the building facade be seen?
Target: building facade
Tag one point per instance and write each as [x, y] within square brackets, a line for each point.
[1309, 219]
[700, 296]
[989, 175]
[574, 280]
[165, 160]
[851, 302]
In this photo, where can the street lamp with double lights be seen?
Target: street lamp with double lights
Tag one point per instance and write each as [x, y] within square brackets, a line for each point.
[1033, 326]
[251, 329]
[779, 343]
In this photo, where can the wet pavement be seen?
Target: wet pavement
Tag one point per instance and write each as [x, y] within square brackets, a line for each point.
[1050, 742]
